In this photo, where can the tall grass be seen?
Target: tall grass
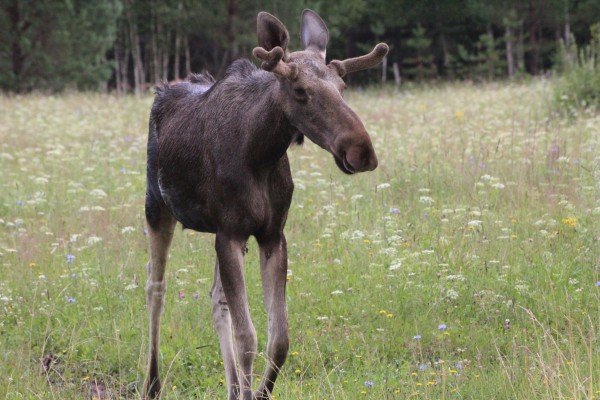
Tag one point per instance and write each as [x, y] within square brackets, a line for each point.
[466, 266]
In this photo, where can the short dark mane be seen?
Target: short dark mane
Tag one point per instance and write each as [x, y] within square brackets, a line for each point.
[202, 79]
[242, 68]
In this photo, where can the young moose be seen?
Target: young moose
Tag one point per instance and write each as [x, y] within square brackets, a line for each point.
[217, 163]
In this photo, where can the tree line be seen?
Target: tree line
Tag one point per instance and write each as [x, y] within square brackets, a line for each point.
[130, 45]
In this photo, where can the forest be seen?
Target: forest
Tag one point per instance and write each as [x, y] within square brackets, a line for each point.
[127, 46]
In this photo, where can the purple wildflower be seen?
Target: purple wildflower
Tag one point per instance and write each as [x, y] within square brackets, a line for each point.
[369, 384]
[394, 210]
[70, 258]
[423, 367]
[72, 300]
[442, 326]
[417, 337]
[598, 284]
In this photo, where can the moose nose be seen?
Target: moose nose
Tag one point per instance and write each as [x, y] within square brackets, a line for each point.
[361, 158]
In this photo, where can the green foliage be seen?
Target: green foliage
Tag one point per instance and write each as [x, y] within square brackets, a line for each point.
[578, 85]
[128, 45]
[49, 45]
[421, 65]
[484, 62]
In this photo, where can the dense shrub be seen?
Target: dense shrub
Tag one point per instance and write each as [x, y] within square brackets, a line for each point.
[579, 83]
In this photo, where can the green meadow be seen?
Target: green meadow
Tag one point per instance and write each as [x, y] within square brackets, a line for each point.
[467, 266]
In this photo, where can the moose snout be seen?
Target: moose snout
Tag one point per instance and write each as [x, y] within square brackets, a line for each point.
[356, 157]
[361, 158]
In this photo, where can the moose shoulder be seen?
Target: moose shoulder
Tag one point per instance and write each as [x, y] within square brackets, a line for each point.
[217, 163]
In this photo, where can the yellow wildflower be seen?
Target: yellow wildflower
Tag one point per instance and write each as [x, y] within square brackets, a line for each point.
[570, 222]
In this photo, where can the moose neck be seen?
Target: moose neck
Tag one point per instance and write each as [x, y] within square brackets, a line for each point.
[269, 133]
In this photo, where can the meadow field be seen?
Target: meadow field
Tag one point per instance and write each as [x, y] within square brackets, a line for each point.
[467, 266]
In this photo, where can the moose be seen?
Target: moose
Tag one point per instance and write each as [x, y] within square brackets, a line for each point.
[217, 163]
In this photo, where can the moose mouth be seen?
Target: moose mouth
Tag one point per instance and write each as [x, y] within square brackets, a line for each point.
[343, 165]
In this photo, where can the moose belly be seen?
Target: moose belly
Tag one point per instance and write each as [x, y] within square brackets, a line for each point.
[193, 213]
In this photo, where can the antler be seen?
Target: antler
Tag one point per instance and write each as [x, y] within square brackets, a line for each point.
[363, 62]
[272, 61]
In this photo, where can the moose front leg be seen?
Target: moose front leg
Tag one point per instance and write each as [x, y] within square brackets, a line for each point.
[230, 254]
[273, 267]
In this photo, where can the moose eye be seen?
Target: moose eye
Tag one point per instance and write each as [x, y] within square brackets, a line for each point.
[301, 94]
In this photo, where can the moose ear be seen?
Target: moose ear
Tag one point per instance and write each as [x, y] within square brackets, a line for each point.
[313, 33]
[271, 32]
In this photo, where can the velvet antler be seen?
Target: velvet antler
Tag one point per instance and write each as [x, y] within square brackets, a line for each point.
[273, 61]
[363, 62]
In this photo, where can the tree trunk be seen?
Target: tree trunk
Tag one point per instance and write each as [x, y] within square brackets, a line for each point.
[491, 63]
[117, 50]
[510, 55]
[521, 49]
[124, 72]
[18, 57]
[176, 66]
[139, 75]
[188, 61]
[532, 59]
[231, 53]
[397, 78]
[156, 58]
[165, 62]
[570, 56]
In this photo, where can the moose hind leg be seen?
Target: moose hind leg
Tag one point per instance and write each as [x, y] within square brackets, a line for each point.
[161, 225]
[222, 323]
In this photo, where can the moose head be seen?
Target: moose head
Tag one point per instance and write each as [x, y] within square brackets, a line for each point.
[310, 90]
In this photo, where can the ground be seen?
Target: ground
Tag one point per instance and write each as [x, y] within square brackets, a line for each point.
[466, 266]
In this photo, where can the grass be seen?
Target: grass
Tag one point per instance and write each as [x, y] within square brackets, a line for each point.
[466, 266]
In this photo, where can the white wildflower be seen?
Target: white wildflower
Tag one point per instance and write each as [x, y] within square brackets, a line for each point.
[382, 186]
[128, 229]
[99, 193]
[389, 251]
[93, 240]
[426, 200]
[395, 265]
[40, 180]
[357, 235]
